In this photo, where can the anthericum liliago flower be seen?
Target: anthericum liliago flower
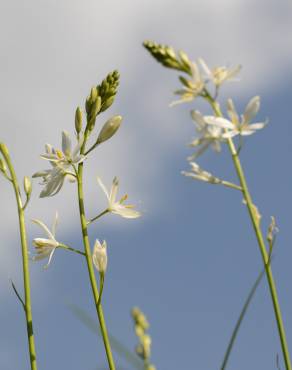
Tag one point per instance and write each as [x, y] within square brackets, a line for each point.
[61, 162]
[192, 88]
[45, 247]
[209, 135]
[218, 75]
[118, 207]
[236, 126]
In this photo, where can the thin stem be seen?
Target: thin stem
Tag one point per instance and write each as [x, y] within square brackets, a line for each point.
[231, 185]
[101, 284]
[64, 246]
[257, 229]
[90, 267]
[25, 263]
[98, 216]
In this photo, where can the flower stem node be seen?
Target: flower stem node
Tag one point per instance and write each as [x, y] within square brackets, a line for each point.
[99, 256]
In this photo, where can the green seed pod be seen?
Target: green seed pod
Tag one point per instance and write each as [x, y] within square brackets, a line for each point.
[109, 128]
[78, 120]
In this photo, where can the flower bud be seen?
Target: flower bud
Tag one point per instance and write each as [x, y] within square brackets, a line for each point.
[99, 256]
[27, 186]
[96, 107]
[3, 167]
[109, 128]
[93, 94]
[78, 120]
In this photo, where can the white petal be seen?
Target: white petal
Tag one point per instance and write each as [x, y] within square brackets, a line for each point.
[114, 190]
[77, 147]
[45, 228]
[219, 122]
[257, 126]
[232, 111]
[66, 143]
[55, 223]
[104, 189]
[251, 109]
[50, 258]
[205, 67]
[198, 118]
[121, 210]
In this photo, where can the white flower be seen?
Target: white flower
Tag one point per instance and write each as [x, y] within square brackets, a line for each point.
[117, 207]
[45, 247]
[199, 174]
[65, 156]
[219, 74]
[61, 162]
[210, 135]
[99, 256]
[192, 87]
[238, 126]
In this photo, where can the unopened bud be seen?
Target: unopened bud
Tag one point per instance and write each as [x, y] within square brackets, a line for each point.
[27, 186]
[96, 107]
[185, 59]
[78, 120]
[109, 128]
[107, 103]
[99, 256]
[3, 167]
[93, 94]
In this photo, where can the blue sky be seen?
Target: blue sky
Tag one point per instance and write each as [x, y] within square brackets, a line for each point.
[190, 261]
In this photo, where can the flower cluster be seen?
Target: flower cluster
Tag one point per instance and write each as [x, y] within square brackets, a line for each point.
[143, 349]
[62, 162]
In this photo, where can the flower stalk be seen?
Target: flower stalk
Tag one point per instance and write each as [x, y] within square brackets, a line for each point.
[259, 236]
[25, 260]
[90, 267]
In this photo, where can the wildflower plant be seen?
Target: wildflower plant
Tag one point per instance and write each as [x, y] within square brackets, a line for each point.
[67, 163]
[215, 130]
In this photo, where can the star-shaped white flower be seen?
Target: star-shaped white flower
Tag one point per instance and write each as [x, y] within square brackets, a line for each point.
[61, 162]
[45, 247]
[209, 135]
[118, 207]
[192, 88]
[236, 126]
[99, 256]
[218, 75]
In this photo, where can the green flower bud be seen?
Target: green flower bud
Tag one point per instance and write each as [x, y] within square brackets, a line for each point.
[109, 128]
[107, 103]
[27, 186]
[93, 94]
[96, 107]
[78, 120]
[3, 167]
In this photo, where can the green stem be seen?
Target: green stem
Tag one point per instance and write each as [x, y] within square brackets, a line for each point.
[90, 267]
[64, 246]
[257, 229]
[25, 263]
[98, 216]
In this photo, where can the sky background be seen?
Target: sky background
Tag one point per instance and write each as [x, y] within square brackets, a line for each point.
[190, 261]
